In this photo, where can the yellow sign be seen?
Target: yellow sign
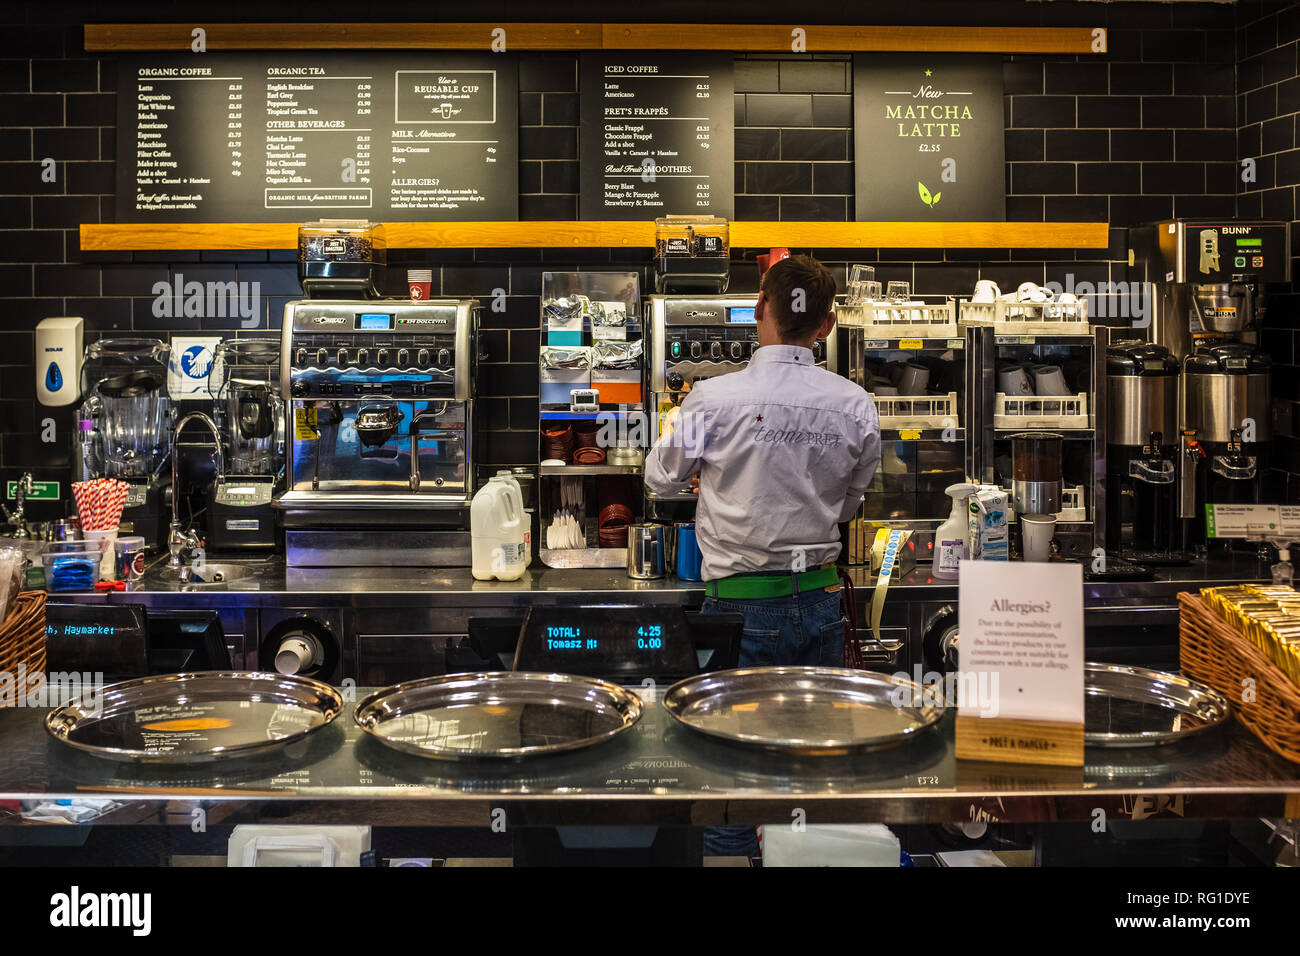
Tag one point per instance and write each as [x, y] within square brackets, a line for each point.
[304, 423]
[909, 434]
[910, 343]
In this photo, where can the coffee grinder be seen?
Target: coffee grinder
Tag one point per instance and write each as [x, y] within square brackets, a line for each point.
[124, 428]
[249, 412]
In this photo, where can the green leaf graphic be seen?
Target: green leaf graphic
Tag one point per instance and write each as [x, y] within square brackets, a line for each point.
[936, 199]
[925, 193]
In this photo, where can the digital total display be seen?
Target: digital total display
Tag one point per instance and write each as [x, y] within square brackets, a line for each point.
[741, 316]
[609, 641]
[375, 322]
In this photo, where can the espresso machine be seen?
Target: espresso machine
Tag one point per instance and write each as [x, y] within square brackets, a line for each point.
[379, 418]
[1142, 457]
[124, 428]
[1206, 288]
[249, 412]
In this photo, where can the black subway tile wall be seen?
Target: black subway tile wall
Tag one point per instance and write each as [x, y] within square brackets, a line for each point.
[1153, 128]
[1268, 79]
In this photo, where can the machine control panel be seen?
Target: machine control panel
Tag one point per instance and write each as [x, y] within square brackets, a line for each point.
[695, 337]
[370, 348]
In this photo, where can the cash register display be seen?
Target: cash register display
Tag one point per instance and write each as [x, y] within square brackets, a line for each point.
[610, 641]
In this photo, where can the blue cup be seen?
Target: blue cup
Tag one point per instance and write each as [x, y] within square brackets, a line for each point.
[689, 557]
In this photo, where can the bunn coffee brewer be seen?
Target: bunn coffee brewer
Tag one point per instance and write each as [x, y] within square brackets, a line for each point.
[1204, 284]
[249, 412]
[379, 417]
[124, 427]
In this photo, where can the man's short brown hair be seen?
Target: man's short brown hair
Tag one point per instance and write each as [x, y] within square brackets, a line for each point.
[800, 293]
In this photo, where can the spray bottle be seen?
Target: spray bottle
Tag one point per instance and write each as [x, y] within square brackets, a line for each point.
[951, 543]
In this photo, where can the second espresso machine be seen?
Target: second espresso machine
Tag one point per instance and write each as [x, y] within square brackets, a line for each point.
[380, 424]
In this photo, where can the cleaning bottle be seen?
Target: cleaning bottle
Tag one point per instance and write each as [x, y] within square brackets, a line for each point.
[498, 547]
[951, 544]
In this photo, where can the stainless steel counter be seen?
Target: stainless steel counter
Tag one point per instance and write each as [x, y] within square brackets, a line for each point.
[269, 582]
[393, 624]
[657, 773]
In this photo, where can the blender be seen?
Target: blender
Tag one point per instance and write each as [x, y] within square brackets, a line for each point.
[249, 412]
[124, 427]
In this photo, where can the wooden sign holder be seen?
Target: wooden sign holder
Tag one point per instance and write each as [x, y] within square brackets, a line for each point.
[1011, 740]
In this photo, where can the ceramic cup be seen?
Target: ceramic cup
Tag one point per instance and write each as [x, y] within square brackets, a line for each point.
[1049, 380]
[914, 379]
[1031, 292]
[1014, 380]
[986, 290]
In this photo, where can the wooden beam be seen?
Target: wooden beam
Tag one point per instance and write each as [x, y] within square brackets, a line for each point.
[851, 39]
[568, 234]
[123, 37]
[739, 38]
[922, 235]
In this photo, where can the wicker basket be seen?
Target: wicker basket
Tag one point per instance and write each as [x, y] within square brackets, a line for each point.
[1212, 652]
[22, 637]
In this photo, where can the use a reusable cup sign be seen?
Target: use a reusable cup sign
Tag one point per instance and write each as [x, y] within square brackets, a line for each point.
[1021, 632]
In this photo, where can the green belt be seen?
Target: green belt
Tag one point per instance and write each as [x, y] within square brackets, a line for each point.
[740, 586]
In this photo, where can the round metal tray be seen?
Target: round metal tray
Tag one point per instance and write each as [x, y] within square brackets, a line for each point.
[196, 718]
[499, 715]
[1135, 707]
[804, 710]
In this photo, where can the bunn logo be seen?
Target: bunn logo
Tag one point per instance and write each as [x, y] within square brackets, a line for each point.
[75, 909]
[1235, 230]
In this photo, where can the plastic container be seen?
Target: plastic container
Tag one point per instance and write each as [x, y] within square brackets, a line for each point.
[129, 557]
[71, 570]
[498, 531]
[103, 540]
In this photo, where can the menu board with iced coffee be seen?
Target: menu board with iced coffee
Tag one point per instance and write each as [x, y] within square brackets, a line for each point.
[657, 135]
[283, 138]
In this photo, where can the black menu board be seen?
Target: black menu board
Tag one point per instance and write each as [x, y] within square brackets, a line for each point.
[657, 135]
[293, 137]
[928, 138]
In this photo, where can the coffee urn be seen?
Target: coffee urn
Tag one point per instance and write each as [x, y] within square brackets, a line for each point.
[1141, 449]
[1226, 400]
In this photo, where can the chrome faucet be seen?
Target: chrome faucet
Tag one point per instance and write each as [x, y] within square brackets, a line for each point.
[181, 541]
[16, 517]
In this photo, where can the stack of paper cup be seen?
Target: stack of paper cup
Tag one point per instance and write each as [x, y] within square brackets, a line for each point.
[421, 283]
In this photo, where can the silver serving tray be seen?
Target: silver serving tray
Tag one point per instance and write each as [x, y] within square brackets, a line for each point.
[822, 711]
[1135, 707]
[196, 718]
[498, 715]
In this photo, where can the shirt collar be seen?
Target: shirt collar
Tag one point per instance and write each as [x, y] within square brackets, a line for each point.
[788, 354]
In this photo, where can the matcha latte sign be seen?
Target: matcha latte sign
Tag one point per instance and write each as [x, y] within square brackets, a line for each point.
[928, 138]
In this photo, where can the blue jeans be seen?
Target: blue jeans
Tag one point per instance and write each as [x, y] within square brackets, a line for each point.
[802, 629]
[805, 629]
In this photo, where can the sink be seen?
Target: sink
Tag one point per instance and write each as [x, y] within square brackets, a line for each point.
[215, 576]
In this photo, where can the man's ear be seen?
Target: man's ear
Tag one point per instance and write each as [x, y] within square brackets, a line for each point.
[828, 323]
